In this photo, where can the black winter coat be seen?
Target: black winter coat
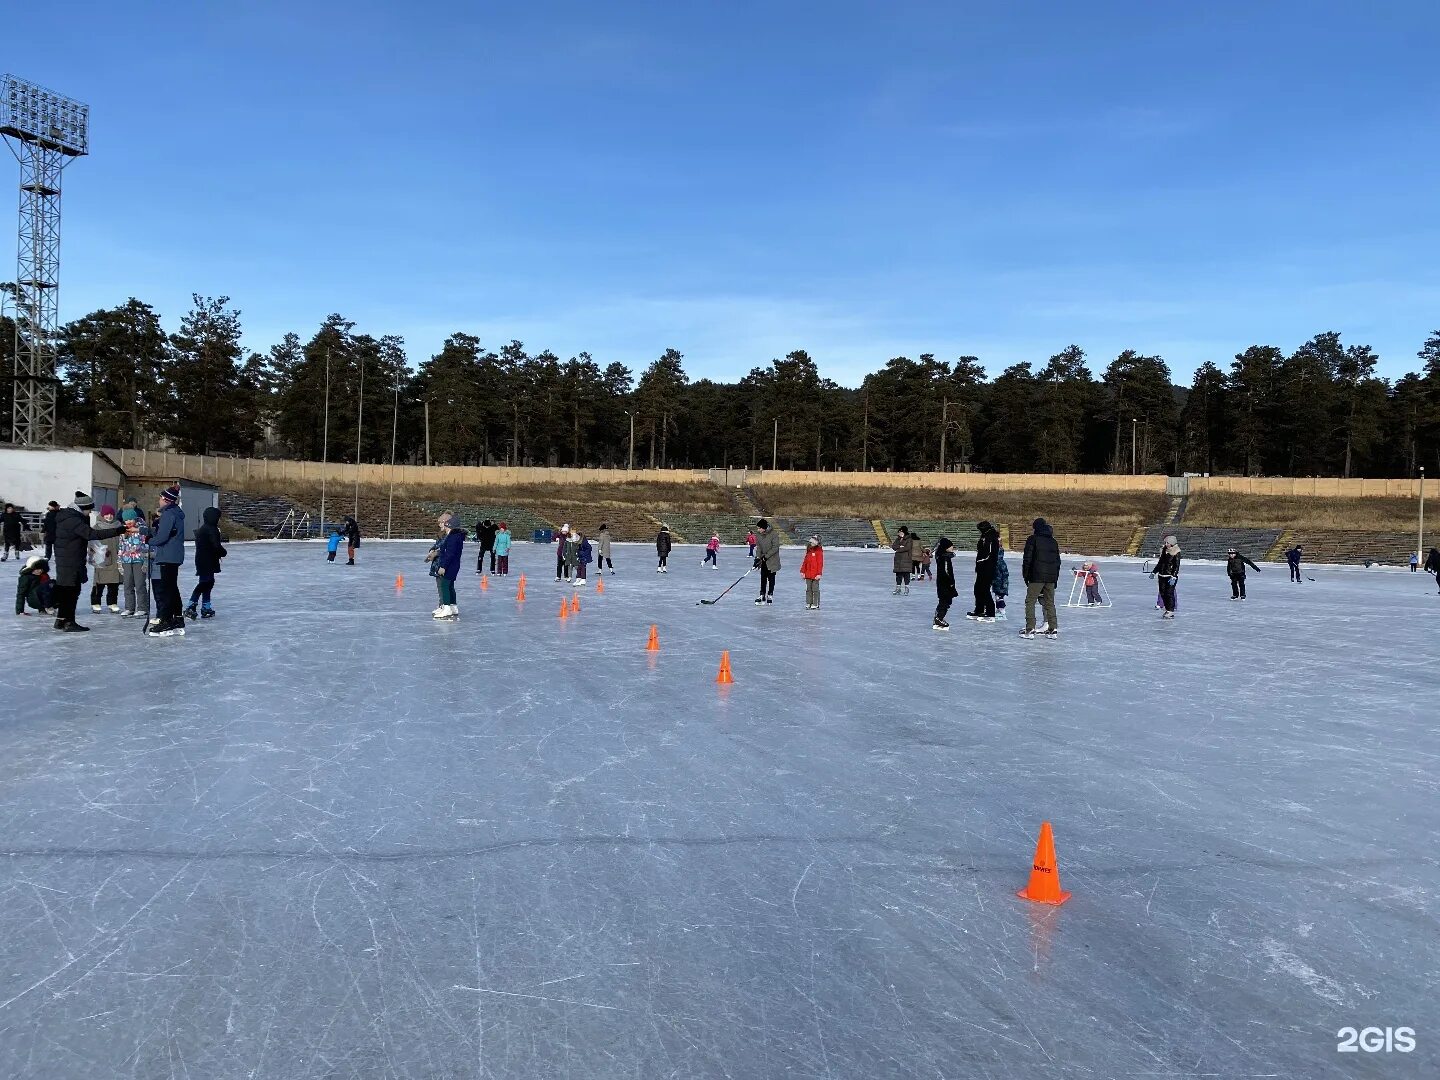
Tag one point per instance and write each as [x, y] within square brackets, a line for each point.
[1432, 561]
[485, 533]
[1168, 566]
[352, 532]
[945, 574]
[72, 536]
[986, 550]
[662, 542]
[208, 547]
[1235, 565]
[11, 527]
[47, 525]
[1040, 564]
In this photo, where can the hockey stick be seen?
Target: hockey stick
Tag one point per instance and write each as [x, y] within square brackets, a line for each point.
[737, 581]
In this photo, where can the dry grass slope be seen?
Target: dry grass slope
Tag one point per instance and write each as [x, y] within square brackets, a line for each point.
[1100, 508]
[1285, 512]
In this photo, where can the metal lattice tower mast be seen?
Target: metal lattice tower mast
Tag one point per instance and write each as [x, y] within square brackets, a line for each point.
[44, 131]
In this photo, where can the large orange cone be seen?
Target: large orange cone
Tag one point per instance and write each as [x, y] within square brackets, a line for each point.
[724, 678]
[484, 582]
[520, 596]
[1044, 887]
[575, 603]
[599, 586]
[522, 581]
[399, 581]
[564, 610]
[653, 645]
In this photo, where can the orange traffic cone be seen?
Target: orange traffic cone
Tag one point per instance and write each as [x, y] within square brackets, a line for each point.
[520, 596]
[599, 586]
[564, 610]
[399, 581]
[574, 603]
[724, 678]
[653, 645]
[484, 582]
[1044, 887]
[522, 581]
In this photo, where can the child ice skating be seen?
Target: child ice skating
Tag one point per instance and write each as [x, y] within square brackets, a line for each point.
[1001, 587]
[602, 550]
[1167, 573]
[1235, 565]
[811, 567]
[444, 559]
[662, 548]
[571, 555]
[945, 591]
[502, 550]
[135, 564]
[333, 544]
[1091, 580]
[712, 552]
[584, 555]
[561, 539]
[750, 539]
[32, 587]
[209, 550]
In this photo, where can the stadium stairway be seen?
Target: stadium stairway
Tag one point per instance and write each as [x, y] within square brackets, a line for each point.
[1203, 543]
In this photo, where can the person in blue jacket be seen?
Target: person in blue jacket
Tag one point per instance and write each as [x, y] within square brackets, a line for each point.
[583, 558]
[446, 565]
[333, 544]
[1293, 558]
[1001, 585]
[167, 551]
[502, 549]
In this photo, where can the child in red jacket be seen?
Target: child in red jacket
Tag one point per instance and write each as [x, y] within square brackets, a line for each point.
[811, 567]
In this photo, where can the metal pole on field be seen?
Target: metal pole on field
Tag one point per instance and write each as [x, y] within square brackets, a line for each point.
[325, 441]
[394, 432]
[427, 433]
[775, 446]
[1420, 540]
[630, 467]
[1133, 459]
[944, 424]
[359, 421]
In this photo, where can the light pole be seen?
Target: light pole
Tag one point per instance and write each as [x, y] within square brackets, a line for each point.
[630, 463]
[944, 427]
[1134, 471]
[1420, 540]
[394, 433]
[775, 447]
[325, 442]
[359, 421]
[427, 432]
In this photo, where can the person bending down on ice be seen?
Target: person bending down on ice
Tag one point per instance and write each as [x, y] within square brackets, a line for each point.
[32, 590]
[811, 567]
[1235, 564]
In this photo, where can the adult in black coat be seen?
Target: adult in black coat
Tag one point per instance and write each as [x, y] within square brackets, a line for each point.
[1040, 569]
[73, 534]
[485, 532]
[987, 553]
[1432, 563]
[47, 528]
[10, 525]
[945, 591]
[352, 538]
[209, 550]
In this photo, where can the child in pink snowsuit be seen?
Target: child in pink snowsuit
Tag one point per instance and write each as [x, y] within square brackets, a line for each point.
[712, 552]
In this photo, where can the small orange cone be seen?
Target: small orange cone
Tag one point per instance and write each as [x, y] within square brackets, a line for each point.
[1044, 887]
[520, 596]
[564, 610]
[575, 604]
[653, 645]
[724, 678]
[484, 582]
[399, 581]
[599, 586]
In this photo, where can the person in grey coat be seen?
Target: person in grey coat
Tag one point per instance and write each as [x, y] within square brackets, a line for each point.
[602, 550]
[72, 540]
[767, 558]
[903, 562]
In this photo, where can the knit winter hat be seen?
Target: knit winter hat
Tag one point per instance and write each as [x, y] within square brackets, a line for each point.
[107, 510]
[1037, 523]
[171, 493]
[129, 514]
[83, 501]
[762, 524]
[1171, 542]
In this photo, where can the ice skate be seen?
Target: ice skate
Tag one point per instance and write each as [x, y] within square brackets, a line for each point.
[897, 591]
[207, 612]
[1028, 633]
[192, 612]
[95, 608]
[939, 624]
[441, 612]
[114, 609]
[127, 614]
[1050, 634]
[759, 600]
[907, 590]
[973, 616]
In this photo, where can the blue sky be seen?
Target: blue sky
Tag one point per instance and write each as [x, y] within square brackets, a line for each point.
[741, 179]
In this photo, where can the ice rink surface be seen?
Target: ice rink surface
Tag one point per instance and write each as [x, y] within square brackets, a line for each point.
[325, 837]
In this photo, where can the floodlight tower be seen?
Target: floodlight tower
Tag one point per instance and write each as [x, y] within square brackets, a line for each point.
[44, 131]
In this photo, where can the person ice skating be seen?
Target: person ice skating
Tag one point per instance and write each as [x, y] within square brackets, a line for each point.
[47, 527]
[445, 565]
[811, 567]
[1040, 570]
[750, 539]
[11, 524]
[917, 552]
[1293, 558]
[602, 550]
[209, 550]
[561, 539]
[987, 549]
[945, 591]
[332, 546]
[927, 558]
[712, 552]
[1167, 573]
[485, 532]
[901, 546]
[73, 534]
[767, 558]
[104, 558]
[1001, 586]
[1414, 561]
[572, 555]
[352, 539]
[167, 553]
[135, 563]
[1432, 564]
[502, 549]
[33, 588]
[1235, 565]
[1089, 577]
[584, 556]
[662, 548]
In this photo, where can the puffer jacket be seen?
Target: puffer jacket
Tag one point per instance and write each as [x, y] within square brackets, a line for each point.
[135, 546]
[72, 539]
[662, 542]
[987, 549]
[1040, 564]
[105, 559]
[167, 543]
[767, 550]
[603, 539]
[208, 548]
[813, 565]
[901, 546]
[502, 542]
[945, 569]
[30, 586]
[1001, 585]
